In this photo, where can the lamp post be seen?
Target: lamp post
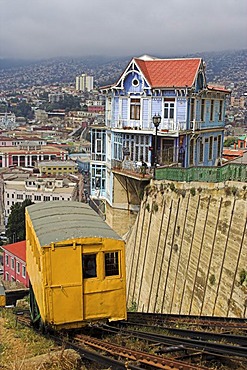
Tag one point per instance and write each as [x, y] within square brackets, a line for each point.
[156, 122]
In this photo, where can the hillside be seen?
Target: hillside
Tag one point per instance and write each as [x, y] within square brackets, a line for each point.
[225, 67]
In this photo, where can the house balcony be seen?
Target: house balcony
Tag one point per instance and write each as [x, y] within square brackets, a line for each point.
[202, 125]
[132, 169]
[166, 126]
[167, 157]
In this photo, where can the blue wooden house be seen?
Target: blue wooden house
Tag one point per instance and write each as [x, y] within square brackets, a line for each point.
[190, 126]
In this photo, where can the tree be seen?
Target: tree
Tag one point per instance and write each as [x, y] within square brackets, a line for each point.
[230, 141]
[16, 230]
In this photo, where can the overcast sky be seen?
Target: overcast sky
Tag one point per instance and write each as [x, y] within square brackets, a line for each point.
[50, 28]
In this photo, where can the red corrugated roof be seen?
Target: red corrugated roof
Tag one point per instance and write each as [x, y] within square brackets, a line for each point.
[218, 88]
[17, 249]
[169, 72]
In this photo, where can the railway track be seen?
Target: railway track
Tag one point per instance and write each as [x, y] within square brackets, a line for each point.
[190, 320]
[176, 351]
[205, 345]
[240, 340]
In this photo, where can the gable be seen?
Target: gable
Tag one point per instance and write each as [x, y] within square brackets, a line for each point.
[132, 79]
[17, 249]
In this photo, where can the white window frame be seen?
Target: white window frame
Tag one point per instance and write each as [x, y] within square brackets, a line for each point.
[18, 267]
[23, 271]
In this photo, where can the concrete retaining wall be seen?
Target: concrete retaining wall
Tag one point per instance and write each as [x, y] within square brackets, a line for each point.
[187, 250]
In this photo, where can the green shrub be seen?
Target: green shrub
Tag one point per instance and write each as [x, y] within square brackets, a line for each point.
[172, 186]
[182, 192]
[193, 191]
[162, 188]
[242, 276]
[228, 191]
[155, 207]
[212, 279]
[133, 307]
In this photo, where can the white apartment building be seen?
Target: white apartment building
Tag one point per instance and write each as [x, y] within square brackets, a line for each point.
[7, 120]
[19, 187]
[84, 82]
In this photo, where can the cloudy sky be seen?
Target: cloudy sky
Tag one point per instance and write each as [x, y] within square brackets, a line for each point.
[50, 28]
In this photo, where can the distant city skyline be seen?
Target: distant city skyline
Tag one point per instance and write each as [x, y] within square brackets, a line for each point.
[46, 29]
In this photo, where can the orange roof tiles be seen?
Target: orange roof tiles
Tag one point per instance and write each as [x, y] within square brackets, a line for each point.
[17, 249]
[169, 72]
[218, 88]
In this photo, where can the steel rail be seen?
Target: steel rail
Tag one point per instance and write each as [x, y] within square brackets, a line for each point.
[94, 356]
[190, 319]
[241, 340]
[190, 343]
[142, 357]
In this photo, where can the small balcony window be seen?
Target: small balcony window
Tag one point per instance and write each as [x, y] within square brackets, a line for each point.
[89, 266]
[111, 264]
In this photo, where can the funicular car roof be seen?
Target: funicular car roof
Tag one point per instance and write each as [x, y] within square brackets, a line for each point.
[58, 221]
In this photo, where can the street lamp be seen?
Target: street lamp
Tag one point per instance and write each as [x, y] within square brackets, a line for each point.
[156, 122]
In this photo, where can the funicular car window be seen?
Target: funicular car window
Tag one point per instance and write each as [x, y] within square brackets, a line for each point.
[111, 264]
[89, 266]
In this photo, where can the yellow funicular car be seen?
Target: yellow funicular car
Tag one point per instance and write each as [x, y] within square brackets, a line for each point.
[76, 266]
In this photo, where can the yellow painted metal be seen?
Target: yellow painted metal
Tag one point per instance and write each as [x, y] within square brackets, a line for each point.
[2, 300]
[64, 298]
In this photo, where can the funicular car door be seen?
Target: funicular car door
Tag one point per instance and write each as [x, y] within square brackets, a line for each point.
[103, 282]
[65, 284]
[92, 279]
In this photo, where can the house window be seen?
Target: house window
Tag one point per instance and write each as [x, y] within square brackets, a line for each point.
[191, 151]
[23, 271]
[117, 147]
[221, 110]
[202, 109]
[192, 109]
[219, 146]
[98, 177]
[212, 110]
[210, 150]
[98, 139]
[89, 266]
[7, 260]
[201, 150]
[137, 146]
[169, 109]
[12, 263]
[135, 108]
[17, 267]
[111, 264]
[7, 276]
[19, 196]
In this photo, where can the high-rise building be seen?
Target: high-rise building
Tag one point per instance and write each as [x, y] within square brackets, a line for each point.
[84, 82]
